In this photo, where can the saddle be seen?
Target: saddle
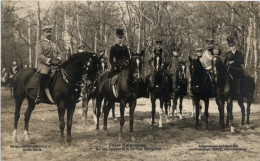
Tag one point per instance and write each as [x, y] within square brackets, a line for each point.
[34, 80]
[113, 82]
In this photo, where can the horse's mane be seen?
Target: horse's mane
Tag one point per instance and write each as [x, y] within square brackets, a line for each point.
[75, 56]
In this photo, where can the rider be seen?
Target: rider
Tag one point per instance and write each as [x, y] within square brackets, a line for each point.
[48, 54]
[174, 64]
[207, 56]
[194, 56]
[119, 54]
[234, 60]
[158, 51]
[14, 69]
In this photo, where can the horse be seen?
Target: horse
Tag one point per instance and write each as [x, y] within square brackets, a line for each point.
[124, 90]
[89, 87]
[63, 87]
[181, 87]
[158, 86]
[230, 94]
[203, 88]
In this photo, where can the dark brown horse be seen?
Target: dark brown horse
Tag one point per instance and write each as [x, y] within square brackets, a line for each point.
[64, 89]
[181, 87]
[248, 87]
[203, 88]
[126, 91]
[89, 87]
[159, 87]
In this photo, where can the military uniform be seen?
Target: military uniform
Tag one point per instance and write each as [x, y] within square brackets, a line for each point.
[48, 54]
[206, 59]
[47, 51]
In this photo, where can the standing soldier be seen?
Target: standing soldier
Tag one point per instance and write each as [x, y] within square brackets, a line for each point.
[234, 61]
[119, 55]
[48, 54]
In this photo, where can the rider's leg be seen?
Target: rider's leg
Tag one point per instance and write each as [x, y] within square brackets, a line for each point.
[43, 80]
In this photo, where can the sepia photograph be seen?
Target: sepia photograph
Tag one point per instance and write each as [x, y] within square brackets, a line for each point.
[130, 80]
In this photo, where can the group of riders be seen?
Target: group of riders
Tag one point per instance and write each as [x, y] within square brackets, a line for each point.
[49, 55]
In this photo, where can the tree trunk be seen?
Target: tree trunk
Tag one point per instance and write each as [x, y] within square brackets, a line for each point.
[29, 40]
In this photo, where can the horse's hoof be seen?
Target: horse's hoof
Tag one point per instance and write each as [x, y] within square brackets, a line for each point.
[160, 126]
[26, 136]
[27, 139]
[120, 138]
[105, 132]
[61, 140]
[14, 137]
[180, 117]
[133, 138]
[97, 132]
[232, 129]
[115, 119]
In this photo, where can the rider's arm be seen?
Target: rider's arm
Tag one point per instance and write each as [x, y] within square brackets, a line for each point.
[41, 58]
[112, 56]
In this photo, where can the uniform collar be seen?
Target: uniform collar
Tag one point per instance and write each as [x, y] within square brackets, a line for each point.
[119, 44]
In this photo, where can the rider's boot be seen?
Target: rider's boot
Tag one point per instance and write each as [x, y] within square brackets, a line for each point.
[44, 78]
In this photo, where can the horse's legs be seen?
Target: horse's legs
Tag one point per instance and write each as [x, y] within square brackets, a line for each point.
[27, 115]
[193, 108]
[249, 101]
[242, 107]
[122, 117]
[174, 104]
[196, 102]
[61, 112]
[113, 112]
[18, 103]
[161, 112]
[153, 99]
[106, 108]
[131, 121]
[85, 101]
[70, 112]
[230, 113]
[220, 103]
[227, 120]
[97, 112]
[206, 113]
[180, 107]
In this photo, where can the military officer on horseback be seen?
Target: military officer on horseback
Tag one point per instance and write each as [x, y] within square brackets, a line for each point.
[206, 58]
[234, 60]
[119, 54]
[48, 54]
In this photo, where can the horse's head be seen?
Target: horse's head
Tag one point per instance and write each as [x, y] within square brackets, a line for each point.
[102, 62]
[157, 63]
[79, 64]
[218, 69]
[135, 64]
[196, 70]
[182, 70]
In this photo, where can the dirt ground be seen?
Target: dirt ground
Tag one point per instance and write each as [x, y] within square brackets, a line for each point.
[177, 140]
